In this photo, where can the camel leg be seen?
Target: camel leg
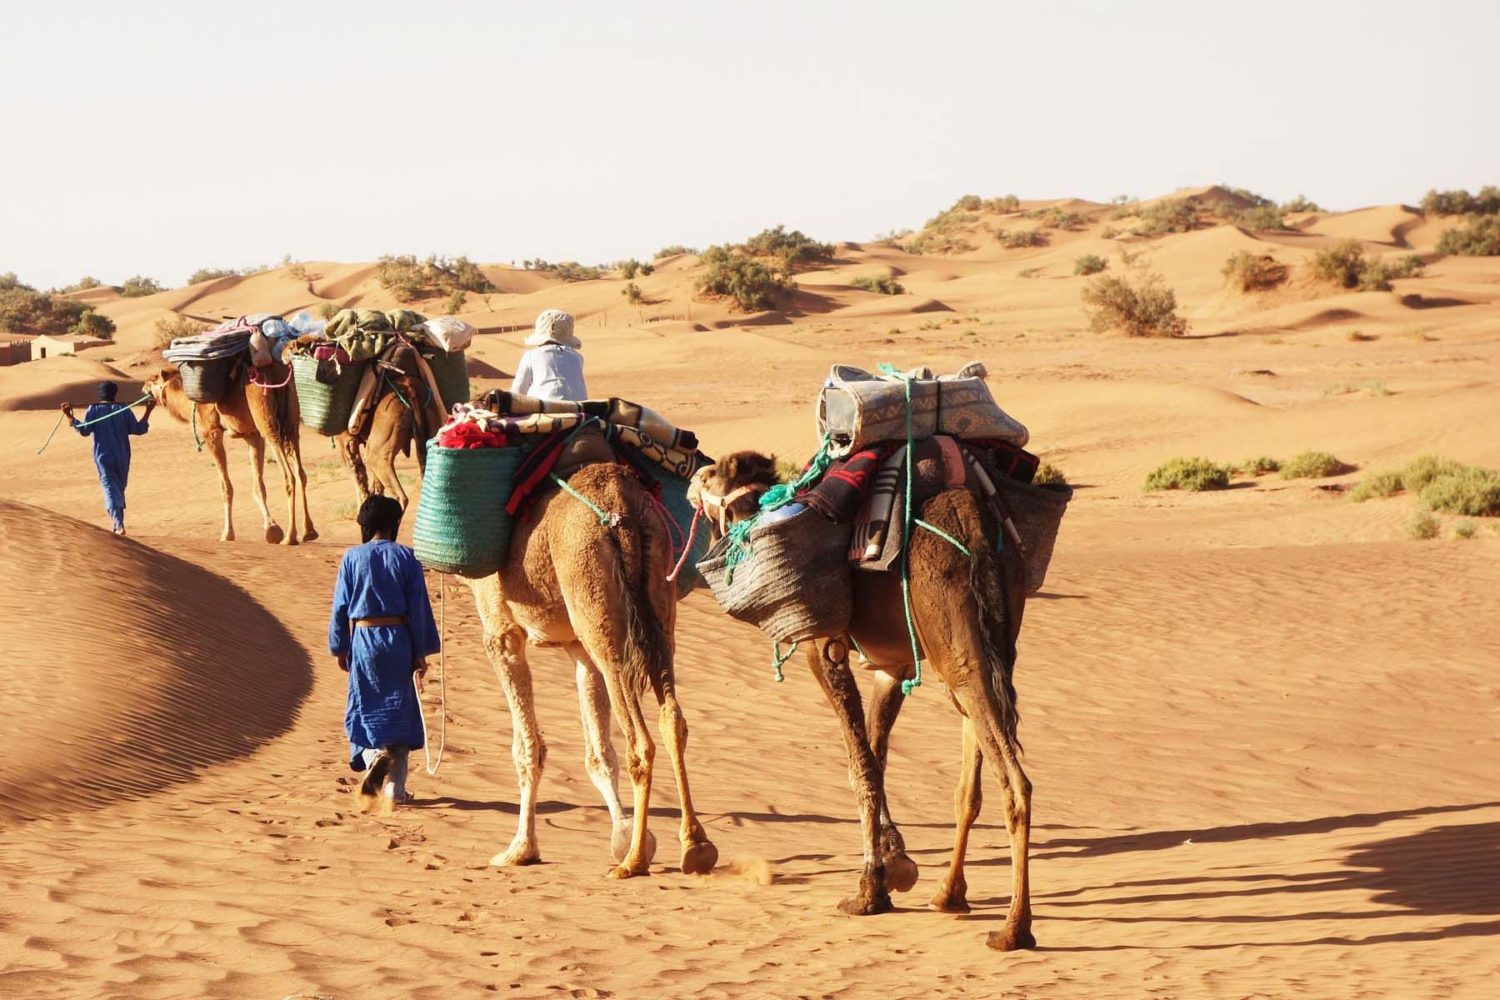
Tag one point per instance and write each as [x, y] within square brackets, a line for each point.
[213, 440]
[506, 646]
[269, 527]
[885, 704]
[293, 451]
[599, 758]
[640, 761]
[952, 894]
[699, 855]
[348, 446]
[829, 660]
[289, 482]
[383, 463]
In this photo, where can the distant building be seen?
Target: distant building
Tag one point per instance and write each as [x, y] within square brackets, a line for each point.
[48, 346]
[14, 353]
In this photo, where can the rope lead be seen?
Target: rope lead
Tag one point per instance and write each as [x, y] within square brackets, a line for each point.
[911, 626]
[606, 518]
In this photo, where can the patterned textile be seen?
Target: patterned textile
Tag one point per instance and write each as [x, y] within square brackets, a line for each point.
[841, 494]
[629, 424]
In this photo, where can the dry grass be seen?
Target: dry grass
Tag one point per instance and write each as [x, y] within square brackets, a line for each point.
[1191, 474]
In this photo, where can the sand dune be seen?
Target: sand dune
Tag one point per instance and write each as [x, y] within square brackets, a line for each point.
[1260, 721]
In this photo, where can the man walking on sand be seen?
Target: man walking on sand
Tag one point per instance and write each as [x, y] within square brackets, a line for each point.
[111, 445]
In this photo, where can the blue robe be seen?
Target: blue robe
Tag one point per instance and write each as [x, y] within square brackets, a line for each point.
[381, 579]
[112, 452]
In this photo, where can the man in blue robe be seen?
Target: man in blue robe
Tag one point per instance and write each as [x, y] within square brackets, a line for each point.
[111, 445]
[382, 632]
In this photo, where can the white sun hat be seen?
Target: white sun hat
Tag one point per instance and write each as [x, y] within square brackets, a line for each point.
[553, 326]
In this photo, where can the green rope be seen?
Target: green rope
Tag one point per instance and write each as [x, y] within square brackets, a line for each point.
[775, 498]
[855, 643]
[606, 519]
[960, 546]
[911, 626]
[196, 439]
[778, 659]
[86, 423]
[392, 386]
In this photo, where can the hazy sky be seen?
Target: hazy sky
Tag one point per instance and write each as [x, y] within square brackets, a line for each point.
[161, 137]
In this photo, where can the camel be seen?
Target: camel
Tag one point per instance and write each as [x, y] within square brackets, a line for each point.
[403, 414]
[967, 612]
[598, 588]
[257, 412]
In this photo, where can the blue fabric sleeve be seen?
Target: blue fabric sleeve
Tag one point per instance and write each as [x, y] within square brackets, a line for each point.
[338, 621]
[137, 425]
[424, 635]
[83, 431]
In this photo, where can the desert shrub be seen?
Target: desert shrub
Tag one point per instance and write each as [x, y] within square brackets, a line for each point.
[171, 328]
[1380, 484]
[23, 309]
[629, 268]
[1260, 465]
[647, 268]
[1425, 469]
[1479, 236]
[1360, 337]
[81, 285]
[733, 274]
[1109, 232]
[1345, 264]
[211, 274]
[1057, 217]
[1423, 526]
[1005, 203]
[1126, 207]
[1193, 474]
[571, 270]
[883, 284]
[969, 203]
[1314, 465]
[1265, 216]
[1029, 272]
[1252, 272]
[1147, 308]
[794, 249]
[1464, 529]
[138, 285]
[937, 242]
[410, 279]
[674, 250]
[1174, 215]
[632, 293]
[1245, 194]
[295, 269]
[1013, 239]
[1299, 204]
[1089, 263]
[328, 310]
[456, 302]
[1047, 474]
[1468, 490]
[94, 324]
[1460, 202]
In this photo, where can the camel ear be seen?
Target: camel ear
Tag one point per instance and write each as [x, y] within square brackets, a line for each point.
[698, 483]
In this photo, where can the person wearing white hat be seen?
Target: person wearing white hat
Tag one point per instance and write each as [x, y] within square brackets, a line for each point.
[552, 368]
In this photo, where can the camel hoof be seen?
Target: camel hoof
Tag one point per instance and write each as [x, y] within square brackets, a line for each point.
[955, 901]
[310, 535]
[699, 859]
[1011, 939]
[619, 842]
[227, 536]
[515, 856]
[858, 906]
[900, 872]
[624, 871]
[274, 534]
[290, 540]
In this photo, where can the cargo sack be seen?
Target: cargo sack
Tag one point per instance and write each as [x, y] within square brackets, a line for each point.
[461, 525]
[447, 333]
[793, 581]
[205, 381]
[325, 407]
[451, 373]
[1037, 512]
[857, 408]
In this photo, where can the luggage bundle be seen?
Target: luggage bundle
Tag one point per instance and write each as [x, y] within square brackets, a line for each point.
[208, 361]
[330, 367]
[787, 571]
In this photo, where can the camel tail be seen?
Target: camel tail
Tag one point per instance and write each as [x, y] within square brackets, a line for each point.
[647, 649]
[996, 632]
[286, 415]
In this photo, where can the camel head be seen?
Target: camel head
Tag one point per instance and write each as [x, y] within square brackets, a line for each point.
[157, 384]
[730, 490]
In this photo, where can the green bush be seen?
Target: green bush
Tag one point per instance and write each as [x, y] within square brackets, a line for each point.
[882, 284]
[937, 242]
[733, 274]
[1193, 474]
[629, 268]
[1314, 465]
[456, 302]
[1089, 263]
[139, 285]
[173, 327]
[410, 279]
[1261, 217]
[1252, 272]
[794, 249]
[1173, 215]
[1048, 474]
[674, 250]
[1057, 217]
[1479, 236]
[969, 203]
[1014, 239]
[1345, 264]
[1245, 194]
[1299, 204]
[81, 285]
[94, 324]
[571, 270]
[1464, 529]
[23, 309]
[1471, 491]
[1260, 466]
[1425, 469]
[632, 293]
[1145, 309]
[1423, 526]
[1005, 203]
[1461, 202]
[1380, 484]
[211, 274]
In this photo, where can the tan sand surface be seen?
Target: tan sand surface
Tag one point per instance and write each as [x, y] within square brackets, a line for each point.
[1263, 724]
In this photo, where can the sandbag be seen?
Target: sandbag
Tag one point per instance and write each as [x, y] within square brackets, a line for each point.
[447, 333]
[857, 408]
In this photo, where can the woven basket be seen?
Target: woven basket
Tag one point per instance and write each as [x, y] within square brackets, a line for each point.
[1037, 512]
[325, 408]
[205, 381]
[452, 374]
[674, 491]
[462, 526]
[794, 583]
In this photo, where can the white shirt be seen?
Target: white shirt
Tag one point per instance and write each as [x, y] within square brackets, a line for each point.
[551, 371]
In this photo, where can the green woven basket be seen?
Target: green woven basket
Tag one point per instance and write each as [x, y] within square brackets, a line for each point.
[452, 374]
[462, 526]
[325, 408]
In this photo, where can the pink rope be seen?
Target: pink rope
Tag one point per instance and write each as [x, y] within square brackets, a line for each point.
[268, 386]
[687, 548]
[674, 533]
